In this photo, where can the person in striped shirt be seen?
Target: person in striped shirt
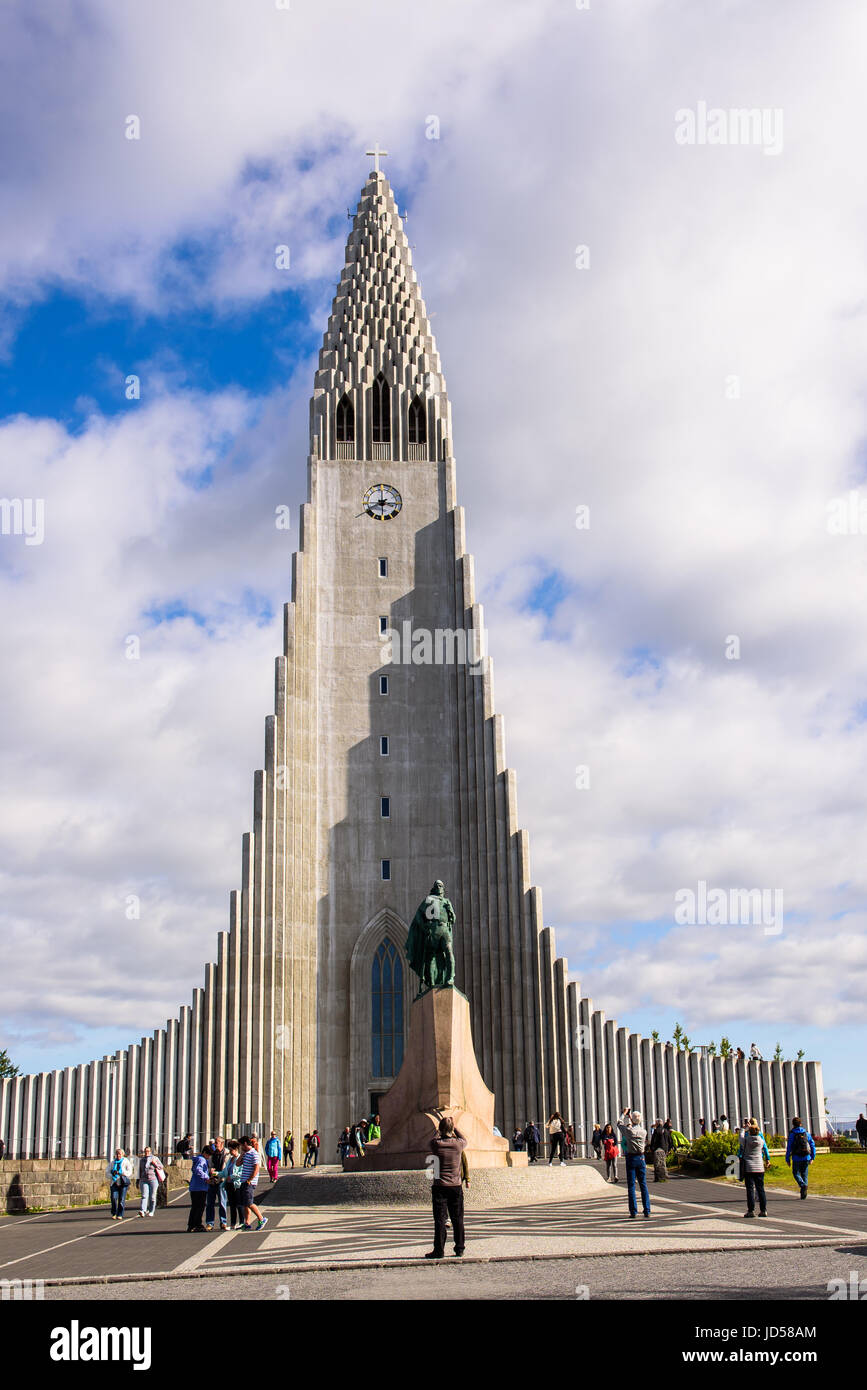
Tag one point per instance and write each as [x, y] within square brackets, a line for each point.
[247, 1190]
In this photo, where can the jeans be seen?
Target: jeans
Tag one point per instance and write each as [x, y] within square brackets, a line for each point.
[637, 1168]
[118, 1197]
[149, 1196]
[532, 1148]
[755, 1188]
[236, 1218]
[801, 1171]
[447, 1200]
[211, 1204]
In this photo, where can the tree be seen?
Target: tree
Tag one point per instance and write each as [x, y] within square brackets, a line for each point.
[678, 1036]
[711, 1049]
[655, 1035]
[725, 1047]
[778, 1053]
[7, 1068]
[800, 1054]
[687, 1045]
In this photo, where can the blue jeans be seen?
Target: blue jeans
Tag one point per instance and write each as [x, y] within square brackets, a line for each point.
[118, 1197]
[211, 1204]
[149, 1196]
[637, 1168]
[801, 1171]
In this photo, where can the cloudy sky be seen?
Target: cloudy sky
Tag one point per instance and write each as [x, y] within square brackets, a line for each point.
[695, 376]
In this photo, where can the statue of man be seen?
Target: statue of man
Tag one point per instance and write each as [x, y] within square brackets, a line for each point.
[429, 943]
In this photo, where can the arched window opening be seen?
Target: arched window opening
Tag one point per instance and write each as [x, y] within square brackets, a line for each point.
[387, 1011]
[345, 421]
[380, 415]
[417, 422]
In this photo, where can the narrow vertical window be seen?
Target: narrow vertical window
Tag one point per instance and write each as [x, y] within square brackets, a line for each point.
[385, 807]
[380, 411]
[383, 747]
[345, 421]
[383, 685]
[385, 867]
[386, 1033]
[417, 422]
[383, 626]
[383, 567]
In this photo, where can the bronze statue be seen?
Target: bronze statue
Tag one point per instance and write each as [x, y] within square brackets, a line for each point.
[429, 943]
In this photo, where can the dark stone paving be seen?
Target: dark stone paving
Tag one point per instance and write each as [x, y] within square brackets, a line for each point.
[87, 1243]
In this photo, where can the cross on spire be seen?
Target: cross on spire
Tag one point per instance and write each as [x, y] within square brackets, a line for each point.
[377, 154]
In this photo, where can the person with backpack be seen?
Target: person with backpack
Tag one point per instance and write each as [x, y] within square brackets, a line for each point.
[660, 1143]
[753, 1153]
[532, 1136]
[119, 1175]
[861, 1131]
[150, 1174]
[800, 1152]
[609, 1150]
[313, 1148]
[288, 1150]
[634, 1137]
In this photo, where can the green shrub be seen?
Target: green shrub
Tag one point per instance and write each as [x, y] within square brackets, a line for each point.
[713, 1149]
[776, 1141]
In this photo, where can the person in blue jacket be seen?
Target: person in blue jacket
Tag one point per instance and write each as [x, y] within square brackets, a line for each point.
[200, 1181]
[800, 1152]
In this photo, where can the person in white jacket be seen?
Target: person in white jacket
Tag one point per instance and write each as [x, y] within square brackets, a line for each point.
[119, 1174]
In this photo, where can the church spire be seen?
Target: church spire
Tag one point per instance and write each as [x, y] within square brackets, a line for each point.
[379, 392]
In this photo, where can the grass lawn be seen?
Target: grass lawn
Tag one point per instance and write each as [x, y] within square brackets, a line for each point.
[831, 1175]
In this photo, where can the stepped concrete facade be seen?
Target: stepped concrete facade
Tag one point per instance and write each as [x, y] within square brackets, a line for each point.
[384, 770]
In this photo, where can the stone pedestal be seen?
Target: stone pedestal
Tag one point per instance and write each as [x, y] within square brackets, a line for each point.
[439, 1077]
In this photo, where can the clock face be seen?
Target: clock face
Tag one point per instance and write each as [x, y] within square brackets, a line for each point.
[382, 501]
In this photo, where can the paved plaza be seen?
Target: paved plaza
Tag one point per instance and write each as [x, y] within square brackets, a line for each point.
[71, 1251]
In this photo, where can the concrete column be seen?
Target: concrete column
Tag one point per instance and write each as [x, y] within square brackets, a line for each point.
[669, 1061]
[220, 1110]
[612, 1070]
[182, 1074]
[159, 1140]
[648, 1078]
[28, 1117]
[578, 1105]
[170, 1062]
[685, 1107]
[636, 1072]
[597, 1022]
[199, 1123]
[592, 1113]
[54, 1141]
[817, 1122]
[564, 1059]
[41, 1148]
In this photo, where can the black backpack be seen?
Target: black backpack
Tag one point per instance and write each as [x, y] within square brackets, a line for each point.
[800, 1147]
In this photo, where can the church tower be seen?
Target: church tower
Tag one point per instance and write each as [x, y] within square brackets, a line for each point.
[384, 770]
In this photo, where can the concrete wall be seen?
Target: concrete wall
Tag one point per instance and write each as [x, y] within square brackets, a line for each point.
[58, 1183]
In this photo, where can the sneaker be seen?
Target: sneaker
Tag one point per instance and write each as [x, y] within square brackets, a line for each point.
[223, 1226]
[209, 1228]
[141, 1213]
[262, 1223]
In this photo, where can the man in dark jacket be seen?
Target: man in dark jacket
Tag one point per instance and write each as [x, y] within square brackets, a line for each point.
[860, 1130]
[446, 1191]
[532, 1136]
